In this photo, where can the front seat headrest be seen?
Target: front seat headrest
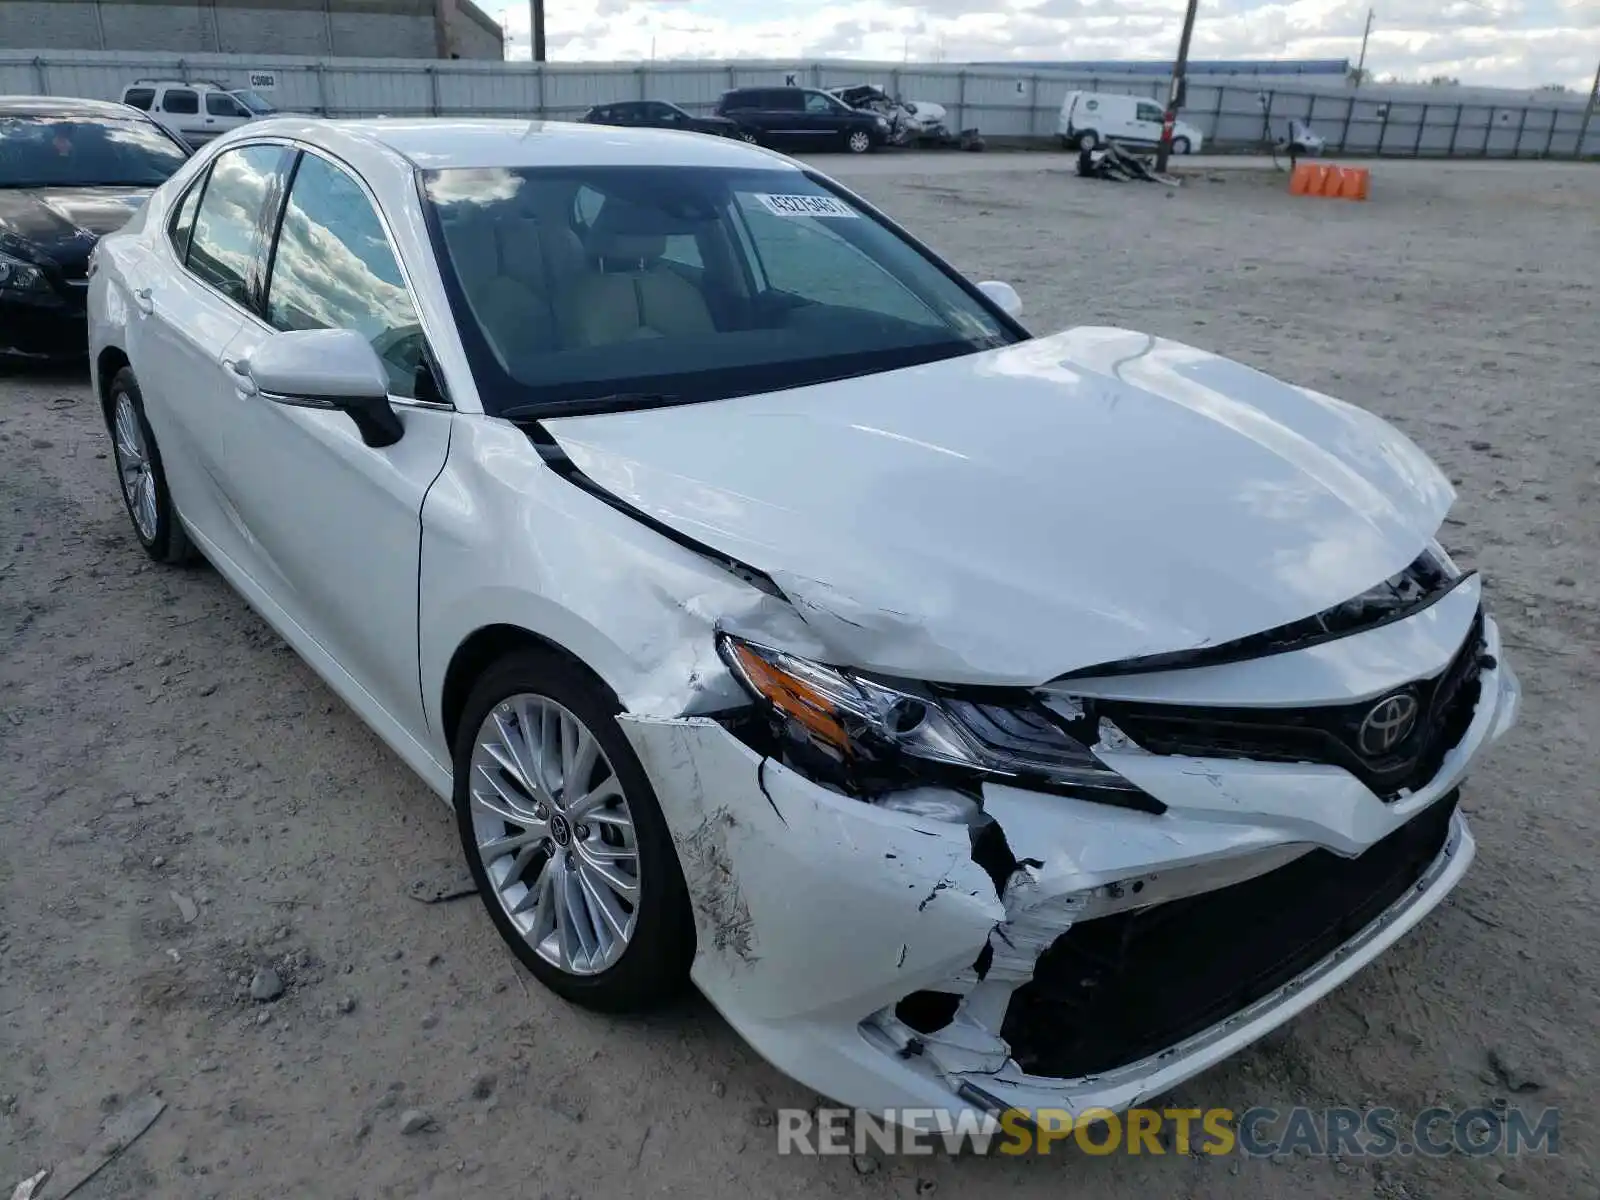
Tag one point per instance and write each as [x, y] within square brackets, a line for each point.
[628, 232]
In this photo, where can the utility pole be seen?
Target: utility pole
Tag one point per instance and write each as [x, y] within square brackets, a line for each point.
[1588, 115]
[537, 7]
[1361, 63]
[1175, 93]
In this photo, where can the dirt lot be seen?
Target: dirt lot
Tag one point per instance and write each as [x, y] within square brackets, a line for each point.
[182, 801]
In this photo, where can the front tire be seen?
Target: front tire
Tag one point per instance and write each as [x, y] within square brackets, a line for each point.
[141, 475]
[565, 838]
[859, 142]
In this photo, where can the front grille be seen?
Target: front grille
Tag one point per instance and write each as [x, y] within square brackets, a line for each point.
[1327, 734]
[1118, 989]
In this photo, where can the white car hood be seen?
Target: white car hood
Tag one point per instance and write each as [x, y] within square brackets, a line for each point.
[1010, 516]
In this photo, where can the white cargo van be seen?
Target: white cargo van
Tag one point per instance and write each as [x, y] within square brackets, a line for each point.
[195, 110]
[1091, 119]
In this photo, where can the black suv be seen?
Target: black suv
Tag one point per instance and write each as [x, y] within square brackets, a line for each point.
[658, 114]
[803, 117]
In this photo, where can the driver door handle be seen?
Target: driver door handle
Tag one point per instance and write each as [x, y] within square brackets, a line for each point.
[242, 381]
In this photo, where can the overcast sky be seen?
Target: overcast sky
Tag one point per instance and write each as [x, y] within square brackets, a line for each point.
[1516, 43]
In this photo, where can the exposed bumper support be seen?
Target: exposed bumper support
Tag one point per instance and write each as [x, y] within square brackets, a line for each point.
[816, 913]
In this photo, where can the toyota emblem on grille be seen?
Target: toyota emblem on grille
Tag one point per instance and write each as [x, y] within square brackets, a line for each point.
[1387, 724]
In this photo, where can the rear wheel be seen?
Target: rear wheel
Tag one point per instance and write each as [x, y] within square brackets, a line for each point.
[565, 839]
[745, 135]
[859, 142]
[1088, 140]
[139, 471]
[1180, 145]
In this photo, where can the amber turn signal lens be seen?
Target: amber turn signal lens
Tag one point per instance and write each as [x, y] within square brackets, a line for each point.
[793, 697]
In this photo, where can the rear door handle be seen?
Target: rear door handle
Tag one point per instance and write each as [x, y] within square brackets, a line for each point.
[145, 300]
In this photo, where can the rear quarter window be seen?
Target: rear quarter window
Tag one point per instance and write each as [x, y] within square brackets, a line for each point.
[139, 97]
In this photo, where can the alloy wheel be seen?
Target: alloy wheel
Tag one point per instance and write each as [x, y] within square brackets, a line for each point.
[860, 143]
[133, 466]
[553, 831]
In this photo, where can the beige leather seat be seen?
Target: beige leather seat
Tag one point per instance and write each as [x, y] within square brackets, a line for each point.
[634, 294]
[511, 305]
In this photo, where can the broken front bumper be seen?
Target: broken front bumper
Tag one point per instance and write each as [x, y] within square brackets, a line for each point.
[818, 914]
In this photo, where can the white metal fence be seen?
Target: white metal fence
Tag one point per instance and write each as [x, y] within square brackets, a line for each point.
[1230, 111]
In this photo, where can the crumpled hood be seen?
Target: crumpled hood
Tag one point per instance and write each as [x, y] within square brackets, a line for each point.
[1010, 516]
[62, 224]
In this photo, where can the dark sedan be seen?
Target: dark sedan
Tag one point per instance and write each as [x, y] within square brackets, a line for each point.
[71, 171]
[658, 114]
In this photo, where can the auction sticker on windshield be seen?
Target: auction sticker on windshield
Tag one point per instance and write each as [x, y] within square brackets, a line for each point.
[806, 206]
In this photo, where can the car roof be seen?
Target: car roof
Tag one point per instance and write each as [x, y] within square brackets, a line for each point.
[444, 142]
[66, 106]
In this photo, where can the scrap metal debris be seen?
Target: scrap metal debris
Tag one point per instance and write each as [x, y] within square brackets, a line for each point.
[26, 1189]
[115, 1136]
[1119, 166]
[445, 881]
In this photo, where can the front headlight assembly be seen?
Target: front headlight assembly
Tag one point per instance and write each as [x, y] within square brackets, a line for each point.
[868, 737]
[19, 276]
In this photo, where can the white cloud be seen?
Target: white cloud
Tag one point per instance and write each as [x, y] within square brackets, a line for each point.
[1513, 43]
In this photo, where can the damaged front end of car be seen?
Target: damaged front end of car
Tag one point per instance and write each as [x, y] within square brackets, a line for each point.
[916, 895]
[982, 807]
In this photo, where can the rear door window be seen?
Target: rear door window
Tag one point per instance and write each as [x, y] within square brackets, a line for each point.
[225, 249]
[180, 100]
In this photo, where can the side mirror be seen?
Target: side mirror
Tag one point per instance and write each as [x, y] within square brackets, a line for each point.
[1004, 295]
[327, 368]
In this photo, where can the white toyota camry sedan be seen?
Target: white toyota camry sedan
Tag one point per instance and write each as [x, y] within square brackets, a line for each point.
[978, 719]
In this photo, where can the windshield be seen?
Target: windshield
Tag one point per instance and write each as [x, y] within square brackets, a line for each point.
[253, 102]
[84, 151]
[683, 284]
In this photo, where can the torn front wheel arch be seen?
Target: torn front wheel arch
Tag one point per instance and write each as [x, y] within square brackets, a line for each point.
[808, 902]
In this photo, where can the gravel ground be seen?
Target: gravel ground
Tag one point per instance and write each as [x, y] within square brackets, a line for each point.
[182, 803]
